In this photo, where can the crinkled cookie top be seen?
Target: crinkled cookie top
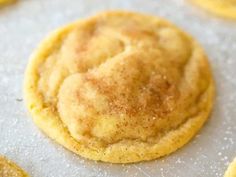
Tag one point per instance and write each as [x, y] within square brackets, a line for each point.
[114, 78]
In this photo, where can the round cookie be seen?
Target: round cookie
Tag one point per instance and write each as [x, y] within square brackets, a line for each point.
[10, 169]
[224, 8]
[119, 87]
[231, 170]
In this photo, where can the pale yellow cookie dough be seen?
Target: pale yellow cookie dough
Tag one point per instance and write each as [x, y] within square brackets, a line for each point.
[119, 87]
[231, 170]
[10, 169]
[224, 8]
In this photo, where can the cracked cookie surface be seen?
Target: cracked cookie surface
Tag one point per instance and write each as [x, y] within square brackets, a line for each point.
[223, 8]
[119, 87]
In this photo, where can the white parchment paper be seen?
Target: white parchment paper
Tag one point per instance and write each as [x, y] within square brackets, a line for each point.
[24, 24]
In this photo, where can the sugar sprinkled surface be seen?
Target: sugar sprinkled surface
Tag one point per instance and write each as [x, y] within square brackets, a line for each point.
[25, 23]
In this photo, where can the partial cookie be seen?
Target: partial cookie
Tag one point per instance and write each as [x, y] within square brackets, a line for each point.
[10, 169]
[231, 171]
[224, 8]
[4, 2]
[119, 87]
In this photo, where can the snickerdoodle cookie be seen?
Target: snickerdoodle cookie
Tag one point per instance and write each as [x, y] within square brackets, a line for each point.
[224, 8]
[119, 87]
[231, 170]
[10, 169]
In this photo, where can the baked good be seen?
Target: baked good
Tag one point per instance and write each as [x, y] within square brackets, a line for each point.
[223, 8]
[119, 87]
[231, 170]
[5, 2]
[10, 169]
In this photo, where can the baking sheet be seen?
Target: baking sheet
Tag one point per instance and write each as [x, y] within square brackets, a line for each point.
[24, 24]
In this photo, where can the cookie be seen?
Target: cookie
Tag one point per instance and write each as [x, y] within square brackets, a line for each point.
[10, 169]
[231, 170]
[223, 8]
[119, 87]
[5, 2]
